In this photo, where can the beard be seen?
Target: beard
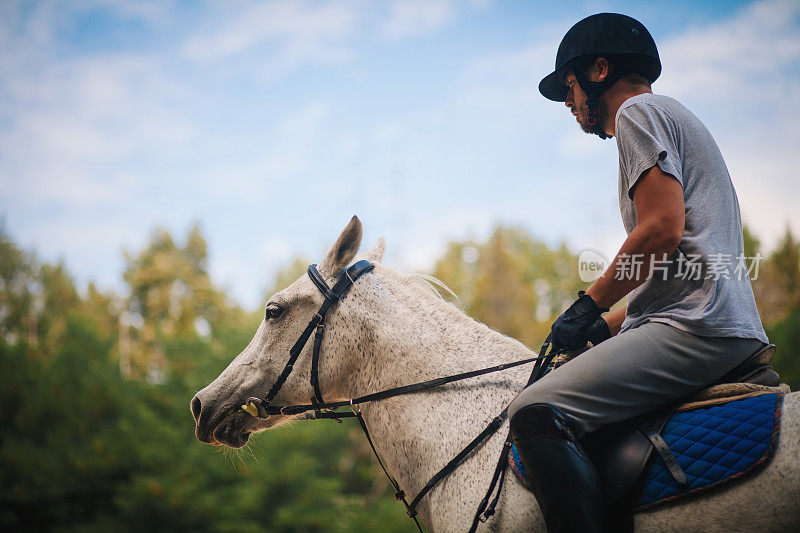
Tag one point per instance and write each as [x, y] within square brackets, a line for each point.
[602, 116]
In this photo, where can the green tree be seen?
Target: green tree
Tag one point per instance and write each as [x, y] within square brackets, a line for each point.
[17, 293]
[171, 295]
[287, 275]
[777, 288]
[503, 298]
[84, 449]
[785, 335]
[57, 298]
[777, 291]
[513, 282]
[752, 245]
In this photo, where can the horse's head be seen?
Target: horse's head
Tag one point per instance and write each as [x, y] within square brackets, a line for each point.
[217, 408]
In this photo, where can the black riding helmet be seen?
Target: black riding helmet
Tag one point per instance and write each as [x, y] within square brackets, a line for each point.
[620, 38]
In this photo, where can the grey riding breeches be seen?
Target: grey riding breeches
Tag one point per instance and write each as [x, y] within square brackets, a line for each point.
[633, 372]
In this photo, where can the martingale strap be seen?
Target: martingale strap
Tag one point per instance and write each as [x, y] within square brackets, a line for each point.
[486, 510]
[540, 368]
[399, 495]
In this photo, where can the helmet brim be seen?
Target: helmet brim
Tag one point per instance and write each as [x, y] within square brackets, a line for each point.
[552, 88]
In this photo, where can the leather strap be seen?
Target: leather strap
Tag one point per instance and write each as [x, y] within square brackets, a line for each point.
[653, 433]
[493, 426]
[485, 509]
[345, 280]
[269, 409]
[325, 410]
[320, 331]
[594, 91]
[384, 394]
[399, 495]
[483, 513]
[319, 281]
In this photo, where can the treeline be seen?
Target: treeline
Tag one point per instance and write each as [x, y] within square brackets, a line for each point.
[95, 430]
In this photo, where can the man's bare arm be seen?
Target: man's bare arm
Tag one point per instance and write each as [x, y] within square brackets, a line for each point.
[614, 320]
[660, 216]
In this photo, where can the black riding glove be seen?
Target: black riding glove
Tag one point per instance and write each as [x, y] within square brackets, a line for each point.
[598, 332]
[571, 330]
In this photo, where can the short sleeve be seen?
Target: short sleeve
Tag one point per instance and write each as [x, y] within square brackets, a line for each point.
[646, 137]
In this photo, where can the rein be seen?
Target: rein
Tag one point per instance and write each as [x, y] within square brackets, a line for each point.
[263, 408]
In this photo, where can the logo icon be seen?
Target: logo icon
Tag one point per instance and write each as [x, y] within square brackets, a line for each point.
[591, 265]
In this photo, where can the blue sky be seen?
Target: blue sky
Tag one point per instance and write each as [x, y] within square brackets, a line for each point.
[271, 123]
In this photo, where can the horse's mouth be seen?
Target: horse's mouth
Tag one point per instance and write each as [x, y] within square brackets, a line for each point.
[230, 433]
[230, 429]
[235, 428]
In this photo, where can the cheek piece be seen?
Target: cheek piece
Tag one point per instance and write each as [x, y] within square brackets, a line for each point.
[594, 90]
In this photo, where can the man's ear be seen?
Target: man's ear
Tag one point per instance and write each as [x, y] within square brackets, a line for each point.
[602, 68]
[344, 249]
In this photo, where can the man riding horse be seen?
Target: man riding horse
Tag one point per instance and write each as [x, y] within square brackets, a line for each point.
[688, 320]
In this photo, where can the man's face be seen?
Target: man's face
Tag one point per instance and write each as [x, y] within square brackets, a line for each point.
[576, 101]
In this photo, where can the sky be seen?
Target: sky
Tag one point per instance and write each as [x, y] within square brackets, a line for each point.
[271, 123]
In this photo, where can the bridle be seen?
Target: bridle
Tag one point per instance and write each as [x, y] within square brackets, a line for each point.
[346, 278]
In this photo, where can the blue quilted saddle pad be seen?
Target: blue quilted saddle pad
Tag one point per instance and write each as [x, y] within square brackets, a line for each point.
[713, 445]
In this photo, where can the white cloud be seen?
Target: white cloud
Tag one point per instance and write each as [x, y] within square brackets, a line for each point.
[410, 18]
[752, 54]
[152, 12]
[248, 176]
[583, 146]
[76, 122]
[296, 31]
[98, 145]
[741, 76]
[413, 18]
[510, 76]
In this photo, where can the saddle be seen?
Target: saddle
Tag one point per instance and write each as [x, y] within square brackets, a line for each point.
[621, 451]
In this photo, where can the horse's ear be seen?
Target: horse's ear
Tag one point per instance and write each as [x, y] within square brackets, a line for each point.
[376, 254]
[344, 249]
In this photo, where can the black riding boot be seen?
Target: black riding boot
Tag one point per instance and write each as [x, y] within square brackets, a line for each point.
[564, 481]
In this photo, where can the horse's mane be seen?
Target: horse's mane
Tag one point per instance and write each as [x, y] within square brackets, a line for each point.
[427, 287]
[435, 292]
[432, 284]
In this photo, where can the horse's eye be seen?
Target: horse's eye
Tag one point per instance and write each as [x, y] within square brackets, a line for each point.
[273, 311]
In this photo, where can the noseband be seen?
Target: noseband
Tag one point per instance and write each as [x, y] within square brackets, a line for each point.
[263, 408]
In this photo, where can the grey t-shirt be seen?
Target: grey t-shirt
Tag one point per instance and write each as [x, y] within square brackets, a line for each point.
[704, 287]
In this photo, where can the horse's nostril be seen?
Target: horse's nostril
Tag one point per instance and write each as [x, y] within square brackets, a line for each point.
[196, 408]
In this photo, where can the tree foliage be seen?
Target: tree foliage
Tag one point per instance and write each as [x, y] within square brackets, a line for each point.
[777, 291]
[86, 445]
[95, 430]
[513, 283]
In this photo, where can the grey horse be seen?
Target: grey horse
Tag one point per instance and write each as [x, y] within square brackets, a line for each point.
[392, 330]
